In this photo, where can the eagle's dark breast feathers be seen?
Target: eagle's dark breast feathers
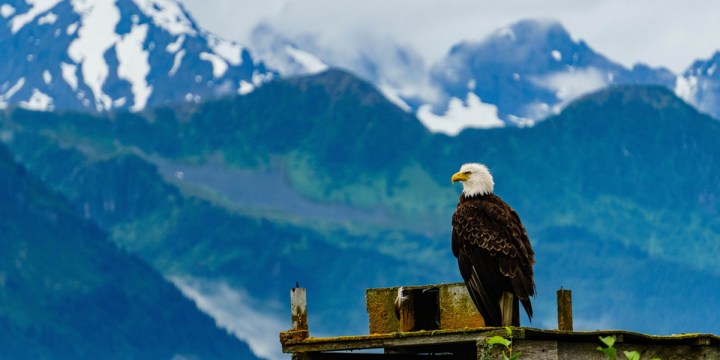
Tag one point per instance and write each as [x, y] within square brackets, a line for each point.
[494, 254]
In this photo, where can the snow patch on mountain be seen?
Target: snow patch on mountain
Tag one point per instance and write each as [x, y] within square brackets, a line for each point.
[533, 112]
[72, 28]
[245, 88]
[218, 64]
[69, 74]
[472, 113]
[37, 7]
[6, 10]
[260, 78]
[96, 36]
[228, 50]
[556, 55]
[48, 19]
[167, 14]
[134, 65]
[7, 93]
[47, 77]
[176, 45]
[522, 121]
[177, 60]
[38, 101]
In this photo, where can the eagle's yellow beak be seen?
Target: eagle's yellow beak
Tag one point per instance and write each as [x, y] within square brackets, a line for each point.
[459, 177]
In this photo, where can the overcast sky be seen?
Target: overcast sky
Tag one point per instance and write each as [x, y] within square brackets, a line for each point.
[668, 33]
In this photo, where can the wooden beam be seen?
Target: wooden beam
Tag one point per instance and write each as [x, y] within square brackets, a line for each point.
[537, 349]
[396, 340]
[524, 340]
[372, 356]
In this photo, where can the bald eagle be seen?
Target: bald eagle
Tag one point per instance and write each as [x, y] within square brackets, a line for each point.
[492, 249]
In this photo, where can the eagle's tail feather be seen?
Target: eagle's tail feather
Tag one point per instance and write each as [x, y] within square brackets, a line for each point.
[507, 304]
[528, 308]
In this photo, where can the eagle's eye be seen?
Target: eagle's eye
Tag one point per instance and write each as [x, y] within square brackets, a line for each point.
[467, 172]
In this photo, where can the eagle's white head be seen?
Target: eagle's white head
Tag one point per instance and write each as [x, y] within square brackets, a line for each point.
[475, 178]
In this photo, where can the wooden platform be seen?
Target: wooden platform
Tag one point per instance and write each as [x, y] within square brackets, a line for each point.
[440, 322]
[534, 344]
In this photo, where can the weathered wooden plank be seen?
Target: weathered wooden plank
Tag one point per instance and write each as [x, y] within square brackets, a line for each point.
[373, 356]
[536, 349]
[457, 310]
[531, 349]
[383, 341]
[380, 308]
[465, 335]
[587, 351]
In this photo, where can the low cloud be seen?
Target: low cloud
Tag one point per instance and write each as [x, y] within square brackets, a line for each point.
[647, 31]
[236, 311]
[571, 84]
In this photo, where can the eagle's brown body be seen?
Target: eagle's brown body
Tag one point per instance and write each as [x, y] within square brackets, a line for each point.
[494, 256]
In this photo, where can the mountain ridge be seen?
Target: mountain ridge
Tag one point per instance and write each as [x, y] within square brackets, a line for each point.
[68, 292]
[530, 70]
[153, 53]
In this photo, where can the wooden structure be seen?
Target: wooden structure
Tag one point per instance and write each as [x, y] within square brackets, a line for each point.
[430, 307]
[443, 323]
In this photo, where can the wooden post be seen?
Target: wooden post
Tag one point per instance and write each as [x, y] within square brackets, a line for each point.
[298, 312]
[298, 305]
[564, 303]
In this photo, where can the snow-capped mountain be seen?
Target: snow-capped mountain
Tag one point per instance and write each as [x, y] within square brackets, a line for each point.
[521, 74]
[102, 55]
[115, 54]
[516, 76]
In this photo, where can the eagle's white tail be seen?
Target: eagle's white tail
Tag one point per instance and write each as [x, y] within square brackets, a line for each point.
[506, 308]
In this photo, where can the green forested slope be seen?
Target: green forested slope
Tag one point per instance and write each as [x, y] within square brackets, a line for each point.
[67, 292]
